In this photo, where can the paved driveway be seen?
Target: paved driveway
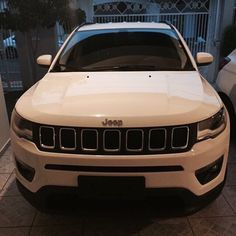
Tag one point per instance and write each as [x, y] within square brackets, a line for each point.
[18, 217]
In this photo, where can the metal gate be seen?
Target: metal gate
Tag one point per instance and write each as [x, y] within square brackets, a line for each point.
[191, 17]
[9, 61]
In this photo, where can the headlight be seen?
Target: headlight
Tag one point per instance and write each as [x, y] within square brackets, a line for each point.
[212, 126]
[23, 128]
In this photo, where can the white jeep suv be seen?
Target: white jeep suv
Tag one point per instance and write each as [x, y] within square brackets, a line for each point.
[122, 107]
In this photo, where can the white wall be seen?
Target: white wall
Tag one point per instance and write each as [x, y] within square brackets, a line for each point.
[4, 124]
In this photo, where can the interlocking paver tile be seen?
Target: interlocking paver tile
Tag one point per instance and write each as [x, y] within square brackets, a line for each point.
[47, 219]
[112, 226]
[162, 227]
[75, 230]
[231, 175]
[14, 231]
[219, 207]
[3, 180]
[10, 188]
[217, 226]
[6, 163]
[232, 153]
[230, 195]
[8, 151]
[15, 211]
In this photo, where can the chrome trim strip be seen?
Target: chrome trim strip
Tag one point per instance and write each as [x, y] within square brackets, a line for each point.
[66, 148]
[88, 149]
[149, 140]
[187, 140]
[111, 150]
[40, 137]
[134, 150]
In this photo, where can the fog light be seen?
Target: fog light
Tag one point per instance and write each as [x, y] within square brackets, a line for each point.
[209, 172]
[26, 171]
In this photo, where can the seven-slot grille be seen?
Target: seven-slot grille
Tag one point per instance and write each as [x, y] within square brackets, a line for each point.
[115, 141]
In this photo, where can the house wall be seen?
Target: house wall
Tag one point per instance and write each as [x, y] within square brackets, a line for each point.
[4, 124]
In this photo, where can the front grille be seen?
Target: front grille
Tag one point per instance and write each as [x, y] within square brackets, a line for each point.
[180, 137]
[134, 140]
[89, 139]
[112, 140]
[157, 139]
[115, 141]
[67, 138]
[47, 137]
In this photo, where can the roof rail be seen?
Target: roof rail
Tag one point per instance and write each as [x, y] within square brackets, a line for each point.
[83, 24]
[86, 23]
[168, 23]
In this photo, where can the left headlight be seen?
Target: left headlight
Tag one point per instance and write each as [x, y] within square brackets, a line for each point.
[22, 127]
[213, 126]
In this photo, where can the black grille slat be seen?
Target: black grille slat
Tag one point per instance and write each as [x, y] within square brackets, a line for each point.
[134, 140]
[157, 139]
[112, 140]
[89, 139]
[180, 137]
[104, 141]
[67, 138]
[47, 137]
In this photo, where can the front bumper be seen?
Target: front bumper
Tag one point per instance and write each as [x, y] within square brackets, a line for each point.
[201, 155]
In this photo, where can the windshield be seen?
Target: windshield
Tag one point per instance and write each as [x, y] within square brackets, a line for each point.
[124, 50]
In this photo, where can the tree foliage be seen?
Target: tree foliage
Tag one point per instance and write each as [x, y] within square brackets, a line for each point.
[26, 15]
[30, 17]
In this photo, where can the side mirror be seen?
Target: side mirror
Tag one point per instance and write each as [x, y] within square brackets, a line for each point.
[204, 59]
[44, 60]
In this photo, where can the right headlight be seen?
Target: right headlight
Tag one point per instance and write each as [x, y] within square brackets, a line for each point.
[22, 127]
[213, 126]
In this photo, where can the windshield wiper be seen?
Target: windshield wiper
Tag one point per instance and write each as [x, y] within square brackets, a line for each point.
[123, 68]
[71, 68]
[68, 68]
[131, 68]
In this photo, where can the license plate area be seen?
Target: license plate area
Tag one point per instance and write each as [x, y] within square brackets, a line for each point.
[111, 186]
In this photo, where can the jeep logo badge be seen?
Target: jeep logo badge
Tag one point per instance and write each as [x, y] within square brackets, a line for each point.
[112, 123]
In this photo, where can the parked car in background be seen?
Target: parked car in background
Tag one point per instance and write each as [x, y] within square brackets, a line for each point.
[226, 85]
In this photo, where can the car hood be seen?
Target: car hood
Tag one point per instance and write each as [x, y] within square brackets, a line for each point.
[137, 98]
